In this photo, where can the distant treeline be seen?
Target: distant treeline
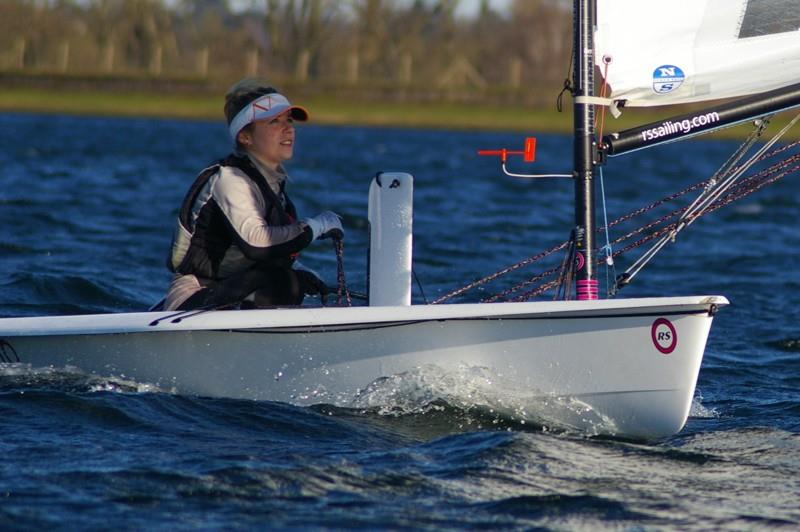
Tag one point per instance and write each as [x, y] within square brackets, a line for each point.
[383, 45]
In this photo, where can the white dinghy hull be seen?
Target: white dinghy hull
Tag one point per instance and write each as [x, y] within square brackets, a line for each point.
[626, 367]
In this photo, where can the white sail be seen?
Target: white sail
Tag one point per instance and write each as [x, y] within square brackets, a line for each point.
[679, 51]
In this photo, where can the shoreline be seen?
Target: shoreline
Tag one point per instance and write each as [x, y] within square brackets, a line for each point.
[322, 110]
[330, 111]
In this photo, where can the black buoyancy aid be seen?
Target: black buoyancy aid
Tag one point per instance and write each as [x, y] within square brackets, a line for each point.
[200, 241]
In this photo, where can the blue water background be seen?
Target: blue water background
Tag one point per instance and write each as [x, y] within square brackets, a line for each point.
[86, 213]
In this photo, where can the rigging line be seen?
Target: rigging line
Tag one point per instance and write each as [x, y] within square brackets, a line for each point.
[647, 227]
[657, 203]
[642, 229]
[499, 273]
[567, 82]
[535, 258]
[180, 314]
[419, 285]
[748, 185]
[667, 233]
[341, 291]
[749, 163]
[761, 126]
[741, 191]
[651, 224]
[698, 208]
[526, 296]
[8, 354]
[567, 271]
[516, 288]
[759, 180]
[563, 281]
[648, 255]
[607, 248]
[733, 159]
[773, 172]
[604, 86]
[564, 244]
[621, 219]
[556, 282]
[540, 289]
[754, 183]
[713, 191]
[184, 314]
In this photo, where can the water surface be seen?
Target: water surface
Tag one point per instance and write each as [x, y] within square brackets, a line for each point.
[86, 211]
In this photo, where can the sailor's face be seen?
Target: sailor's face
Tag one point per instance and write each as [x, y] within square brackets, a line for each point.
[271, 141]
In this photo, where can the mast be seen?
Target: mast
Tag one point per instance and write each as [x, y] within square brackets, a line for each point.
[584, 147]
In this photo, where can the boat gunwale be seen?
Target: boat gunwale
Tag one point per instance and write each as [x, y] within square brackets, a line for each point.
[320, 319]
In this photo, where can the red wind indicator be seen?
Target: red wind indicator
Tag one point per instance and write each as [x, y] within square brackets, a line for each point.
[528, 154]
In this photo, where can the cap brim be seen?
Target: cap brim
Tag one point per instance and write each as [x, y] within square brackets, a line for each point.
[299, 113]
[265, 108]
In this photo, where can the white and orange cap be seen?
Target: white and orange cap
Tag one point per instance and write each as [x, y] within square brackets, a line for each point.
[264, 108]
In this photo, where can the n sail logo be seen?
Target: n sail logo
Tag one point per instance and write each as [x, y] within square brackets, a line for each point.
[667, 78]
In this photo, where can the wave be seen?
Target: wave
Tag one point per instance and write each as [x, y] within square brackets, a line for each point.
[791, 345]
[424, 403]
[23, 378]
[111, 440]
[28, 293]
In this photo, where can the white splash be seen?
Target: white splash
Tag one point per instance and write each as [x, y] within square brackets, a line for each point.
[699, 410]
[474, 387]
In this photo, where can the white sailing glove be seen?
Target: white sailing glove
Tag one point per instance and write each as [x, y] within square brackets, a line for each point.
[325, 225]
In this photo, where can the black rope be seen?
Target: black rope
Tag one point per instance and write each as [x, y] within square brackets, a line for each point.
[567, 84]
[567, 271]
[419, 285]
[341, 292]
[8, 354]
[560, 98]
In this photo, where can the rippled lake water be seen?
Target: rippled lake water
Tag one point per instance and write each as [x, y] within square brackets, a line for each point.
[86, 211]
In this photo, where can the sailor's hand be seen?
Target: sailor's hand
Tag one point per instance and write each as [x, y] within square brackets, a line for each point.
[311, 285]
[325, 225]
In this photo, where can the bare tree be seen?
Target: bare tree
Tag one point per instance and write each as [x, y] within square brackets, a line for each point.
[376, 43]
[542, 29]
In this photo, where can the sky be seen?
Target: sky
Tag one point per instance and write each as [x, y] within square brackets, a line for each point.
[470, 8]
[466, 8]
